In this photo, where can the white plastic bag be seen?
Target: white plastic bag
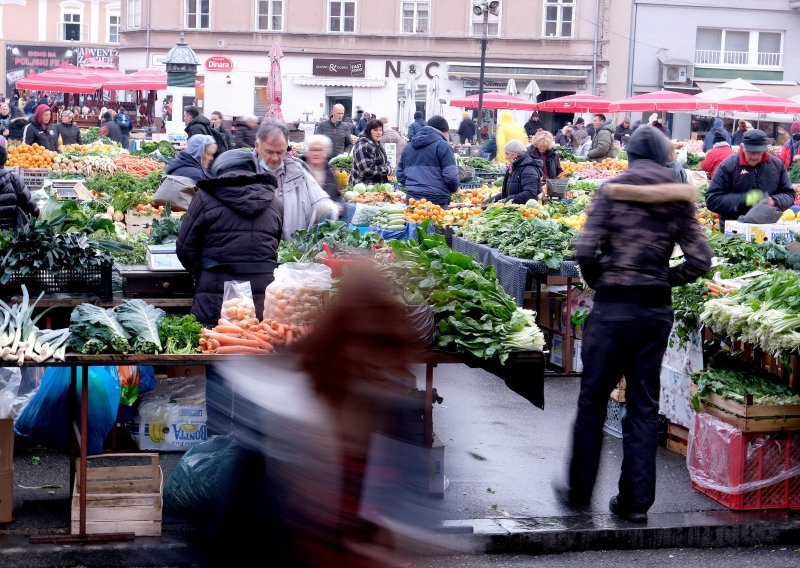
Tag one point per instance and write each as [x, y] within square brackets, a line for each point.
[298, 293]
[683, 156]
[237, 302]
[10, 379]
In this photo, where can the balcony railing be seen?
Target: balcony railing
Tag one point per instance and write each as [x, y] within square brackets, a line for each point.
[737, 58]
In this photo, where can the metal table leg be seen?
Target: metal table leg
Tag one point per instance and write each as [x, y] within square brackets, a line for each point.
[428, 410]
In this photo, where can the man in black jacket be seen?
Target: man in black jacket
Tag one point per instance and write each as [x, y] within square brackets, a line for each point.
[335, 129]
[747, 178]
[624, 253]
[196, 123]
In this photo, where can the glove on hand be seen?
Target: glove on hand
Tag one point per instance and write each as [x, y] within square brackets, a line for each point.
[753, 196]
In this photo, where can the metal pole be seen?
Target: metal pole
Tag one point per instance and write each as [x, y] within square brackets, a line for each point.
[147, 47]
[483, 66]
[594, 51]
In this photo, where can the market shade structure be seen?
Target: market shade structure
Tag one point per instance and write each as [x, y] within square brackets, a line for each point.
[150, 79]
[576, 103]
[729, 90]
[409, 104]
[511, 87]
[533, 91]
[760, 103]
[659, 101]
[64, 81]
[495, 101]
[274, 84]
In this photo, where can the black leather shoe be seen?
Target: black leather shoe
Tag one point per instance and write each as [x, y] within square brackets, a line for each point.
[563, 495]
[630, 516]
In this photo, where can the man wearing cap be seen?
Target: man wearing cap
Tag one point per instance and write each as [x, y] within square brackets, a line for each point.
[747, 178]
[790, 153]
[624, 252]
[427, 167]
[720, 150]
[466, 130]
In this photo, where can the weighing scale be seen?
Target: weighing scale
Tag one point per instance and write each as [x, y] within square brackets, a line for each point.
[163, 258]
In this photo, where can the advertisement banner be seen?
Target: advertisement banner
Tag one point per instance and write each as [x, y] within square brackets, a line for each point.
[85, 56]
[339, 68]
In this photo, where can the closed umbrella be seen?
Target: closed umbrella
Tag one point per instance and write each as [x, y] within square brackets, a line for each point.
[410, 103]
[511, 87]
[274, 84]
[434, 105]
[533, 91]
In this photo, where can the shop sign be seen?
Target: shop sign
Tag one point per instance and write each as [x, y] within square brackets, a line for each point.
[85, 56]
[24, 60]
[219, 63]
[339, 68]
[488, 84]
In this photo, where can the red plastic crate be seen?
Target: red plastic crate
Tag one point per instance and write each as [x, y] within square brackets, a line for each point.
[747, 457]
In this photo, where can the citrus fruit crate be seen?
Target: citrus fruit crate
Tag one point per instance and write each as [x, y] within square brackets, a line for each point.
[124, 494]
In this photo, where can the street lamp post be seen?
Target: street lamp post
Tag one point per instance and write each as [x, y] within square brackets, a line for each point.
[483, 8]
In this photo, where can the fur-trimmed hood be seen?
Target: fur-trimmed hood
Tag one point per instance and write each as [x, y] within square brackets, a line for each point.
[651, 194]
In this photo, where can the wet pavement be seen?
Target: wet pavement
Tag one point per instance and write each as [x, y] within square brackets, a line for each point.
[501, 456]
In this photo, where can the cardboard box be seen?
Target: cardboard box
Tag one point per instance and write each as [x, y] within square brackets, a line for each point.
[557, 351]
[6, 444]
[6, 496]
[759, 233]
[577, 359]
[176, 430]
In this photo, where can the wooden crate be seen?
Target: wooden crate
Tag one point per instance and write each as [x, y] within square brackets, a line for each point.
[751, 417]
[677, 439]
[120, 498]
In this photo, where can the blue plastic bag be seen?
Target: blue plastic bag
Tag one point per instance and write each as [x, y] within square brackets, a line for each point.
[46, 418]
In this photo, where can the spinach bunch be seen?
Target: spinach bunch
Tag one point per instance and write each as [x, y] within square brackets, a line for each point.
[305, 244]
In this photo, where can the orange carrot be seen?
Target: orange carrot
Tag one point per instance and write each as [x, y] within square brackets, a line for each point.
[228, 328]
[232, 349]
[263, 343]
[229, 339]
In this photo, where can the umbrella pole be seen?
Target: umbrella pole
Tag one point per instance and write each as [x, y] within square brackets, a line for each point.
[483, 68]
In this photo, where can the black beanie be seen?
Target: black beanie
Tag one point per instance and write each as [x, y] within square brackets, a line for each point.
[648, 143]
[718, 137]
[439, 123]
[417, 115]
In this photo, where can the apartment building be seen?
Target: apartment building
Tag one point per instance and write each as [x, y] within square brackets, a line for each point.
[361, 53]
[42, 34]
[693, 47]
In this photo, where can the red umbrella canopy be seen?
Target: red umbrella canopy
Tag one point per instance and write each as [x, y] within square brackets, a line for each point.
[496, 101]
[64, 82]
[761, 103]
[576, 103]
[659, 100]
[94, 74]
[143, 80]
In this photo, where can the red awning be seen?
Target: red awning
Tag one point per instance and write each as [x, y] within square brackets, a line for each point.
[143, 80]
[60, 82]
[495, 101]
[760, 103]
[660, 100]
[576, 103]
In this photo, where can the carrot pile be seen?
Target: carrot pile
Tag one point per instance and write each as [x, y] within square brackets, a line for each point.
[248, 336]
[715, 289]
[135, 166]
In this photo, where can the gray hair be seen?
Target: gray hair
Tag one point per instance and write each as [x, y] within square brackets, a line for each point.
[320, 139]
[270, 128]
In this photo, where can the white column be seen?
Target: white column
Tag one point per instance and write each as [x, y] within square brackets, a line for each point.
[94, 30]
[2, 34]
[43, 22]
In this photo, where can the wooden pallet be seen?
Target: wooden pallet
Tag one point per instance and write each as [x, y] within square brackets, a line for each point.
[121, 498]
[677, 439]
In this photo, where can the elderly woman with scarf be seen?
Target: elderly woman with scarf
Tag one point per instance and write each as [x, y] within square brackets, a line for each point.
[194, 161]
[370, 164]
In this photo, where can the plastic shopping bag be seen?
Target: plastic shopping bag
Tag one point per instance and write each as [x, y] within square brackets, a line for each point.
[298, 293]
[237, 302]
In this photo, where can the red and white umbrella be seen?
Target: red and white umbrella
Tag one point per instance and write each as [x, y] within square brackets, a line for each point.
[274, 84]
[659, 100]
[63, 80]
[760, 103]
[576, 103]
[495, 101]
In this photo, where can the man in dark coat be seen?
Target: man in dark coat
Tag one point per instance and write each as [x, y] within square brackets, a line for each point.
[109, 128]
[416, 126]
[466, 130]
[623, 129]
[196, 123]
[245, 133]
[624, 253]
[14, 197]
[523, 180]
[231, 232]
[427, 167]
[747, 178]
[335, 129]
[533, 125]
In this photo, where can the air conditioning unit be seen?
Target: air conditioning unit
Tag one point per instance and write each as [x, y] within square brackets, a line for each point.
[676, 74]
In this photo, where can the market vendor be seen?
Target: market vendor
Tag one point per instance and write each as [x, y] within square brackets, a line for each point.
[523, 179]
[67, 129]
[16, 203]
[542, 149]
[790, 152]
[748, 177]
[231, 232]
[41, 130]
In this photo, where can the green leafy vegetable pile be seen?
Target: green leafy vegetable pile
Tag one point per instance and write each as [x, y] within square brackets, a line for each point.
[473, 312]
[125, 191]
[734, 385]
[180, 335]
[133, 325]
[307, 244]
[342, 162]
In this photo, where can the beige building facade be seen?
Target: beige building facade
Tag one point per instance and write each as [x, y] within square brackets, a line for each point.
[42, 34]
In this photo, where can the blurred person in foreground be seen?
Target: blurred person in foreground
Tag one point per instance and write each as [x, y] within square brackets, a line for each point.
[319, 149]
[16, 203]
[328, 458]
[624, 254]
[305, 203]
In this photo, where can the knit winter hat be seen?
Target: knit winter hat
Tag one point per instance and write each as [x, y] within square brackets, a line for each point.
[648, 143]
[718, 137]
[755, 141]
[439, 123]
[515, 146]
[795, 128]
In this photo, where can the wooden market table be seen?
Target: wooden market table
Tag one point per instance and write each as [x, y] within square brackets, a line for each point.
[523, 373]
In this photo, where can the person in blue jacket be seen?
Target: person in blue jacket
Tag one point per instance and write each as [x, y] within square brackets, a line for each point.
[427, 167]
[194, 161]
[708, 143]
[416, 126]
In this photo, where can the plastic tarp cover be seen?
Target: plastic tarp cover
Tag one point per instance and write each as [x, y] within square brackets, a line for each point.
[716, 450]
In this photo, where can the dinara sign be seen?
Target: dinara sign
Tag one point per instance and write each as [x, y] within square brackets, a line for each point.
[219, 63]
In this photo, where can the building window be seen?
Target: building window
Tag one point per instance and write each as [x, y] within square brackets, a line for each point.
[71, 25]
[476, 24]
[269, 15]
[341, 16]
[416, 16]
[260, 96]
[559, 18]
[738, 48]
[113, 28]
[198, 14]
[134, 14]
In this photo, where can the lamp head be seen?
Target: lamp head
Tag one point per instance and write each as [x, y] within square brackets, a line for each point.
[477, 10]
[494, 7]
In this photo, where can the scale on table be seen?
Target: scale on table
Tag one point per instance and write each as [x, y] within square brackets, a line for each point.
[69, 189]
[163, 257]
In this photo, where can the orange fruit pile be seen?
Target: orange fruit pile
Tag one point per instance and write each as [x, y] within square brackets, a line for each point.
[33, 156]
[419, 210]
